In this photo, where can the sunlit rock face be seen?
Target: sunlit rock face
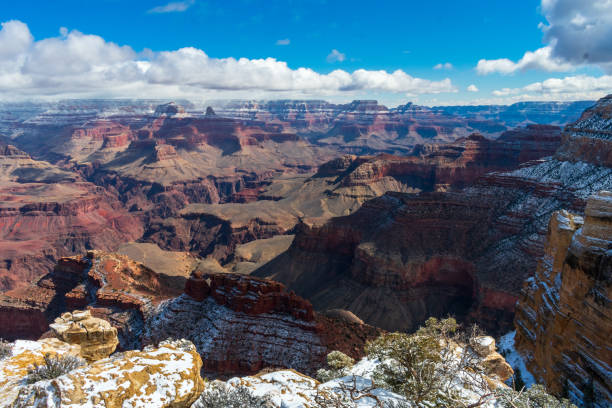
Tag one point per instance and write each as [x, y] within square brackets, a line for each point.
[564, 312]
[167, 375]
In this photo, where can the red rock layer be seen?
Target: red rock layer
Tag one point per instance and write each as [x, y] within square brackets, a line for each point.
[235, 292]
[564, 315]
[241, 325]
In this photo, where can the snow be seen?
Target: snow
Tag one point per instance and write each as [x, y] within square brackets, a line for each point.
[514, 358]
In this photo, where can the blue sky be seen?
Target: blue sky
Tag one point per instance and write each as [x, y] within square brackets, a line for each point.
[411, 36]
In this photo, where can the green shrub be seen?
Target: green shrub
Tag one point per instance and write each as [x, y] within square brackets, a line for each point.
[339, 364]
[53, 367]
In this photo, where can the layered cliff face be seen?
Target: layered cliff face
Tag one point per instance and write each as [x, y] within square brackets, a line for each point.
[564, 311]
[341, 186]
[366, 127]
[241, 325]
[47, 213]
[403, 257]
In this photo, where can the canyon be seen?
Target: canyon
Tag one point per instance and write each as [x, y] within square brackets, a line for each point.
[268, 234]
[467, 250]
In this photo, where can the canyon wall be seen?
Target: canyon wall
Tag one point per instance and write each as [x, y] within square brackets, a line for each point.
[564, 314]
[403, 257]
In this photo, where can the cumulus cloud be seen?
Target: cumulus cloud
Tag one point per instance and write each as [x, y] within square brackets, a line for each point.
[335, 56]
[284, 41]
[541, 59]
[472, 88]
[446, 65]
[569, 88]
[578, 33]
[76, 64]
[173, 7]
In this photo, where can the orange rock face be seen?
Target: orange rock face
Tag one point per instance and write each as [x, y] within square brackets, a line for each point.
[564, 313]
[111, 286]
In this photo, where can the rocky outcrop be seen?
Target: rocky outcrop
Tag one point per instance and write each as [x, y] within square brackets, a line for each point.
[403, 257]
[564, 313]
[109, 285]
[241, 325]
[24, 354]
[164, 376]
[96, 337]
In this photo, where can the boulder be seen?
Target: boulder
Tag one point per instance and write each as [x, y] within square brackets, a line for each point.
[97, 338]
[163, 376]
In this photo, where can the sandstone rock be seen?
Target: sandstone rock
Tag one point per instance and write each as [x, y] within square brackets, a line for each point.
[564, 311]
[24, 355]
[483, 345]
[163, 376]
[97, 338]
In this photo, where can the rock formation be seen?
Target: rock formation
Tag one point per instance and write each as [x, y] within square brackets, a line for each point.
[241, 325]
[110, 285]
[164, 376]
[24, 354]
[564, 311]
[97, 338]
[403, 257]
[341, 186]
[47, 213]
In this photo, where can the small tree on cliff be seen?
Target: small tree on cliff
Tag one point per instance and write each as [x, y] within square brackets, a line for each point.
[422, 366]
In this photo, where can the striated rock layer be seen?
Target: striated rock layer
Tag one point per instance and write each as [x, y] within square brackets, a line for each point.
[340, 187]
[403, 257]
[47, 213]
[241, 325]
[564, 314]
[110, 285]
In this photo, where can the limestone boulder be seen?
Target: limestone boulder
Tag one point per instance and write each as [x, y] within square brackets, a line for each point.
[97, 338]
[163, 376]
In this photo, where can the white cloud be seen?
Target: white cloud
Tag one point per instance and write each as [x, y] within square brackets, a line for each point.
[539, 59]
[578, 33]
[569, 88]
[79, 65]
[472, 88]
[173, 7]
[335, 56]
[284, 41]
[446, 65]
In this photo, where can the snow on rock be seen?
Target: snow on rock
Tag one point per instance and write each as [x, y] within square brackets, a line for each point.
[166, 376]
[25, 354]
[514, 358]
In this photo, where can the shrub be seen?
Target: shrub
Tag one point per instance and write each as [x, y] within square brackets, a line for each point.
[534, 397]
[6, 349]
[424, 366]
[220, 395]
[53, 367]
[339, 364]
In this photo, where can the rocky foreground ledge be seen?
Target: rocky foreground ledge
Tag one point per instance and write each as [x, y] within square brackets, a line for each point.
[168, 374]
